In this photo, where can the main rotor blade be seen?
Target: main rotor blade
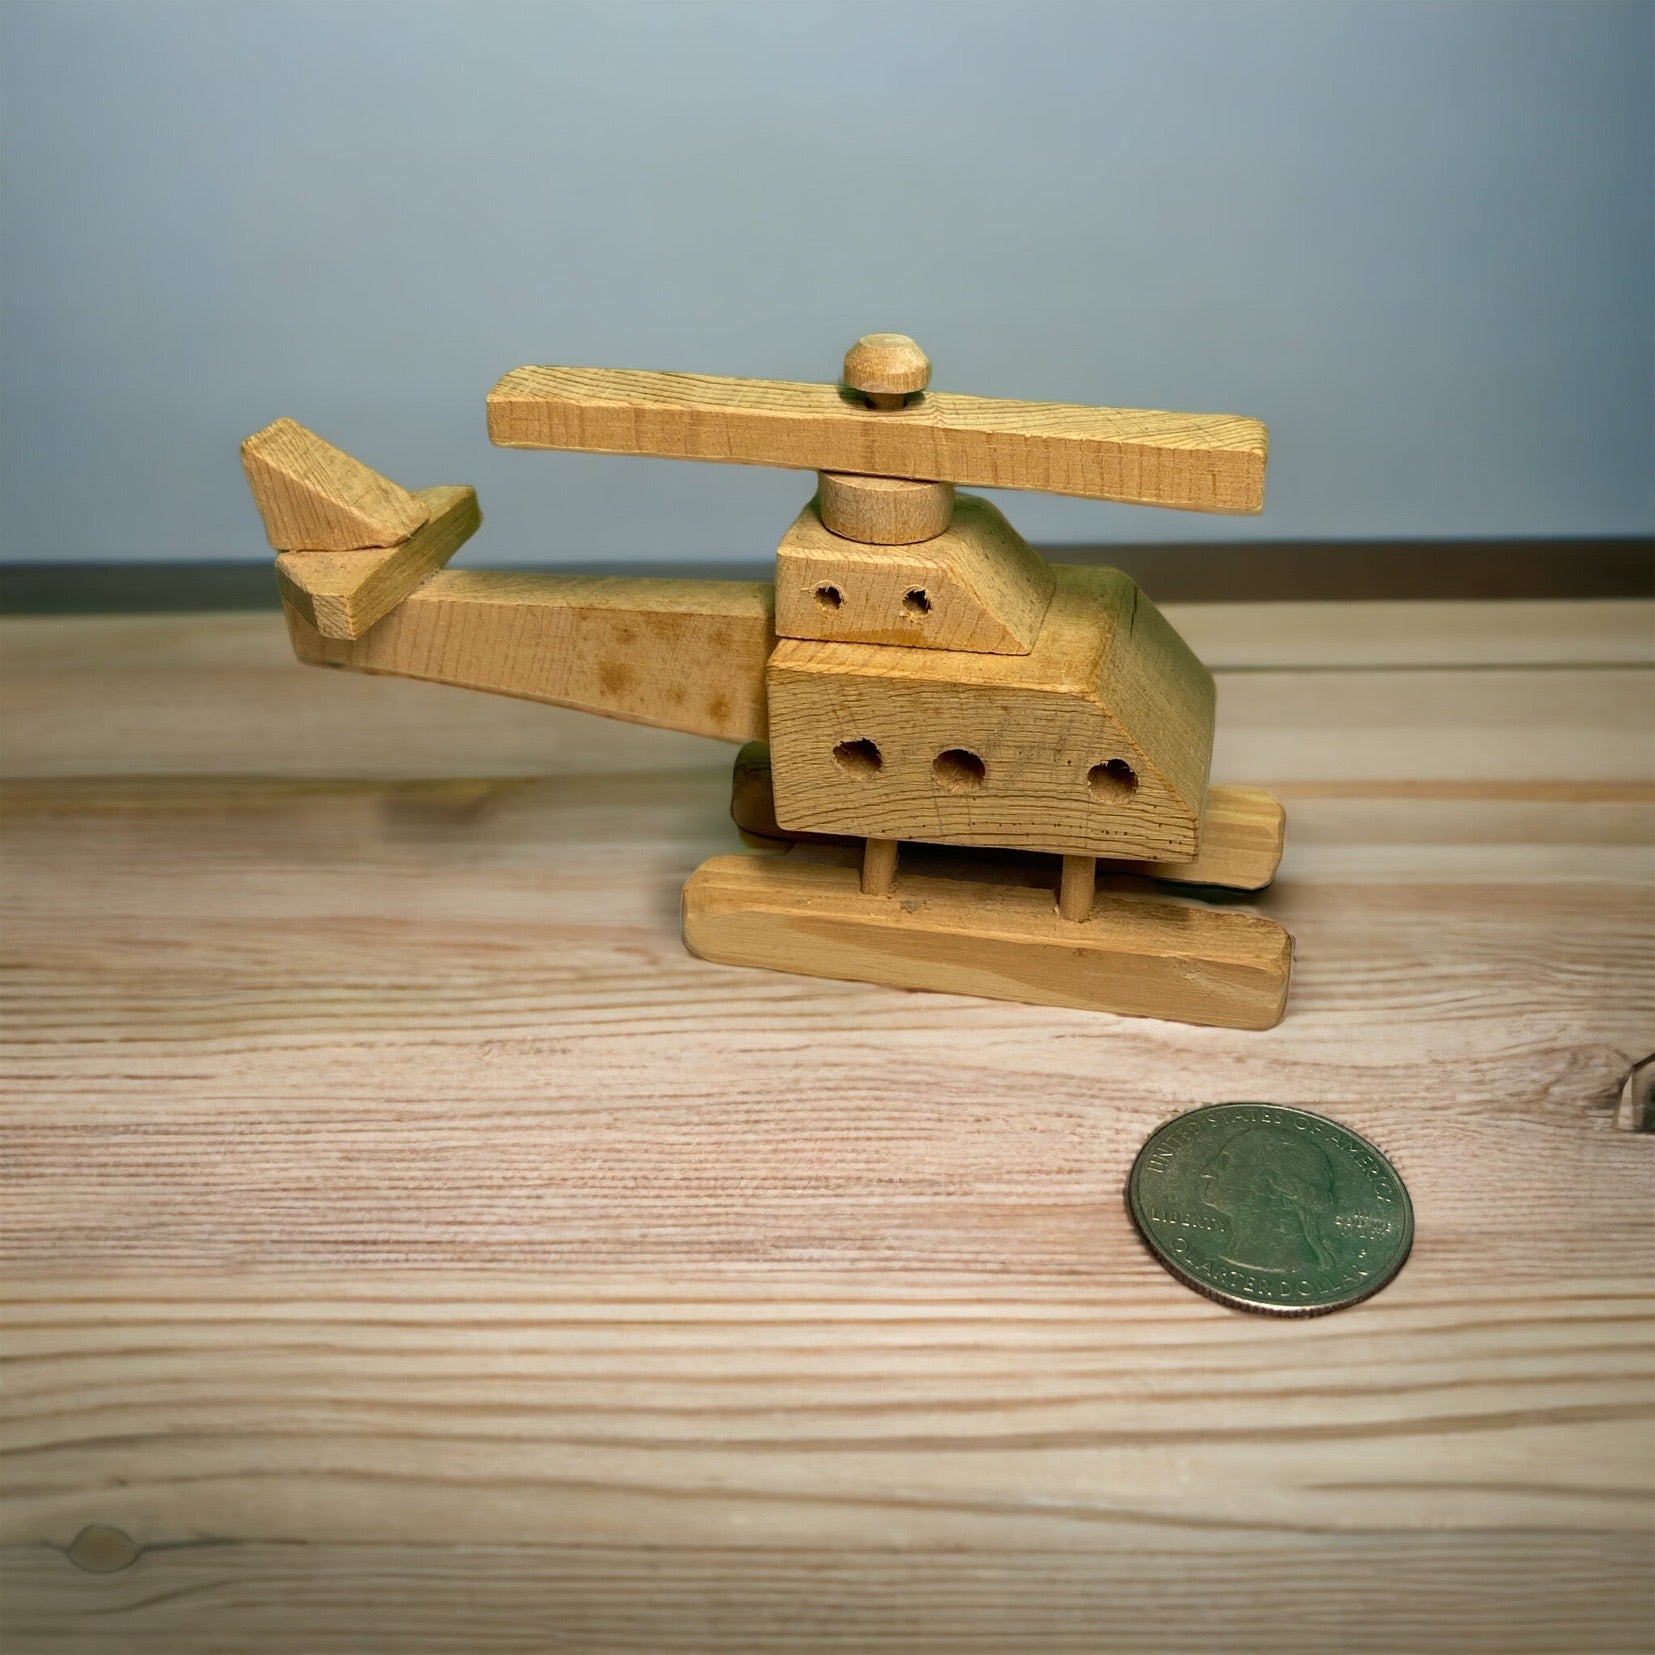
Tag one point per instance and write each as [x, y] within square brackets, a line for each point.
[1193, 462]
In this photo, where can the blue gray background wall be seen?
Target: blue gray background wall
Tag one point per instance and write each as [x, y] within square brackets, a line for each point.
[1416, 238]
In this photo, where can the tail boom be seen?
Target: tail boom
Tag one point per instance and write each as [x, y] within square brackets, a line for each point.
[676, 654]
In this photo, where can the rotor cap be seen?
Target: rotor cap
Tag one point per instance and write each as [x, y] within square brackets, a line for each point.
[886, 368]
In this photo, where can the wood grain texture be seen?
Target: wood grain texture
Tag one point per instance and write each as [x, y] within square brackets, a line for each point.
[412, 1249]
[1174, 1593]
[1095, 743]
[883, 511]
[978, 586]
[1350, 637]
[885, 368]
[132, 695]
[685, 655]
[315, 497]
[808, 912]
[1076, 892]
[1195, 462]
[1243, 833]
[1243, 829]
[342, 594]
[879, 863]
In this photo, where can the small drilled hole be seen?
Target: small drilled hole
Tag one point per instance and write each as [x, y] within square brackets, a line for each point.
[1114, 779]
[859, 758]
[829, 597]
[958, 770]
[916, 602]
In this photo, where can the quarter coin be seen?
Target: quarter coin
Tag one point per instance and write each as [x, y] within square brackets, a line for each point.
[1269, 1208]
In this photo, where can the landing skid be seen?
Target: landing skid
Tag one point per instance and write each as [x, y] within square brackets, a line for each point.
[989, 923]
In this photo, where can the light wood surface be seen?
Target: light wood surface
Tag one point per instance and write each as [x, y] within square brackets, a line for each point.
[1195, 462]
[342, 594]
[410, 1248]
[1078, 890]
[811, 912]
[315, 497]
[883, 511]
[978, 586]
[1242, 829]
[886, 368]
[684, 655]
[879, 862]
[1095, 743]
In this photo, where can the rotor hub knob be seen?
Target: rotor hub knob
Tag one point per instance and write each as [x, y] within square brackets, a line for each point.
[887, 368]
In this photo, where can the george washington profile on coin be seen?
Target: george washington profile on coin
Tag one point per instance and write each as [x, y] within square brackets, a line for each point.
[1278, 1194]
[1271, 1208]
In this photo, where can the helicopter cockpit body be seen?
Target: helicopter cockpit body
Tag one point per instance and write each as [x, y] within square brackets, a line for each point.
[1095, 743]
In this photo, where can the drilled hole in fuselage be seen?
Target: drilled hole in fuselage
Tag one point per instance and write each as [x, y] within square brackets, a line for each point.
[958, 770]
[829, 597]
[916, 602]
[858, 758]
[1114, 779]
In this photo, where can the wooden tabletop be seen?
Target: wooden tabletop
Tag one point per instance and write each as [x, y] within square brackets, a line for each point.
[409, 1247]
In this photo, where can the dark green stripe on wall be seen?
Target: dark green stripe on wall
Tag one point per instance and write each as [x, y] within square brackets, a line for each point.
[1241, 572]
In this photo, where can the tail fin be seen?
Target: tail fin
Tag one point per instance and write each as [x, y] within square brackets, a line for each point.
[350, 544]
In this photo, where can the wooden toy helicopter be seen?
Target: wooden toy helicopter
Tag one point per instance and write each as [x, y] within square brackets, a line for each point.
[917, 675]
